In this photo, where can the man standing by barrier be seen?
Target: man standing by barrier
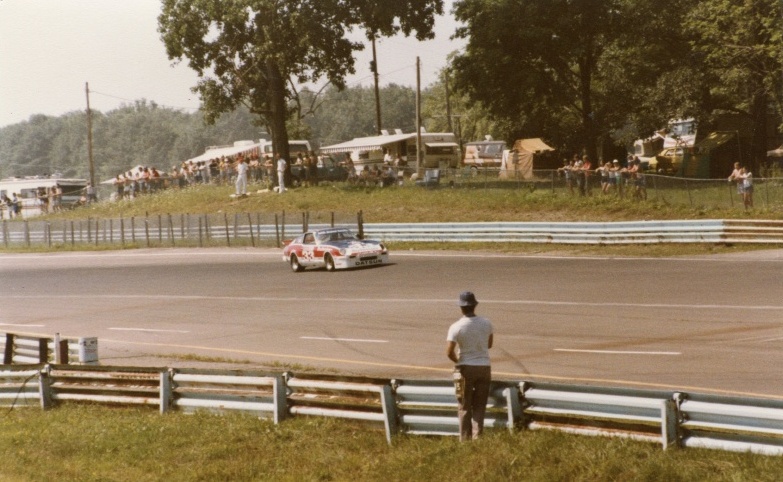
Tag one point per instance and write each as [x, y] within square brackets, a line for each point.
[473, 335]
[281, 164]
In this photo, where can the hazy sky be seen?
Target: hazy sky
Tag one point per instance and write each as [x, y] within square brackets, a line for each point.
[49, 49]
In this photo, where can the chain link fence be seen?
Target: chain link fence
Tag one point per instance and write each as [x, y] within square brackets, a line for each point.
[676, 191]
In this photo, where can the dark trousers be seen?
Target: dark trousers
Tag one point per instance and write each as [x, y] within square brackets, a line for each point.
[473, 404]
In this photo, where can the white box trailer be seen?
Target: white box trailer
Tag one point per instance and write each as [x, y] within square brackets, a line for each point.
[32, 191]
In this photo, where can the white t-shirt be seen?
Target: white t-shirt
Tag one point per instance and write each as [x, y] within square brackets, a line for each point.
[281, 165]
[471, 334]
[241, 169]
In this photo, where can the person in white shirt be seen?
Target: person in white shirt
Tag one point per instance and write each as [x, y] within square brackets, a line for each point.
[281, 164]
[468, 342]
[241, 182]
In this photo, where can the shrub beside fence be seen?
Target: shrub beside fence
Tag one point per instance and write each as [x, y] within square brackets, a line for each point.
[413, 407]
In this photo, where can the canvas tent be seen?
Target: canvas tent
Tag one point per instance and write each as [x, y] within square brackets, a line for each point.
[518, 162]
[713, 156]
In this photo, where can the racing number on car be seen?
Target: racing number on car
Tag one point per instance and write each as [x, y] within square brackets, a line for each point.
[307, 253]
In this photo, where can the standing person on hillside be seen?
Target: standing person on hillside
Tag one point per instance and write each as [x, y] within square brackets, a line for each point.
[746, 180]
[735, 178]
[241, 182]
[473, 336]
[281, 164]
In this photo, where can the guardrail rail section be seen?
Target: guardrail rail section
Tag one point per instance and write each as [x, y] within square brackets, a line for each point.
[413, 407]
[624, 232]
[23, 349]
[427, 407]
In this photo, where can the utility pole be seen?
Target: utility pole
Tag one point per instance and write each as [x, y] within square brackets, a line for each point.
[89, 135]
[419, 171]
[448, 102]
[374, 68]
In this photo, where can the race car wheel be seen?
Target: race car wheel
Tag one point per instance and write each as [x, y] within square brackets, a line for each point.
[329, 262]
[295, 266]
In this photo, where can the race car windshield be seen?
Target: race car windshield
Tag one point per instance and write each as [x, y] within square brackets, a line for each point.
[335, 236]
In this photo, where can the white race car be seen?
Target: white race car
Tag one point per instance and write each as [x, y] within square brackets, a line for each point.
[333, 248]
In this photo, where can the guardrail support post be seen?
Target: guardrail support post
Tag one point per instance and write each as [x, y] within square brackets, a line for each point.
[670, 436]
[513, 407]
[165, 390]
[43, 350]
[63, 352]
[389, 412]
[280, 395]
[45, 388]
[8, 356]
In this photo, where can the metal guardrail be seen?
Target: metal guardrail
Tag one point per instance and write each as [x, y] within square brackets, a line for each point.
[248, 231]
[22, 349]
[414, 407]
[628, 232]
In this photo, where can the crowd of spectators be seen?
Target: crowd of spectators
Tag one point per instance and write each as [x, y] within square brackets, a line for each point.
[615, 178]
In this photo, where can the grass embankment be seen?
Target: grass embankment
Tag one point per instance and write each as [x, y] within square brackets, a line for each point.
[411, 204]
[93, 443]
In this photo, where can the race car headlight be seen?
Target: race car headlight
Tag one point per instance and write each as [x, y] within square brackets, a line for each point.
[383, 248]
[342, 251]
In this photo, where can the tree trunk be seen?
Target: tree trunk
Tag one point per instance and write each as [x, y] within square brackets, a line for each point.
[279, 114]
[759, 115]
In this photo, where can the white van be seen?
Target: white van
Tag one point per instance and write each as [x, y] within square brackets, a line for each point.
[481, 154]
[295, 148]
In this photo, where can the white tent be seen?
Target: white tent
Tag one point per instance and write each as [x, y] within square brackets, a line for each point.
[373, 143]
[216, 152]
[520, 158]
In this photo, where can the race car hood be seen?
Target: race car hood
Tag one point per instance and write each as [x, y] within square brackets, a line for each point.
[355, 246]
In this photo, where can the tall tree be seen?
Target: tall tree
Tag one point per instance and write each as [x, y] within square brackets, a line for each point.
[535, 63]
[256, 51]
[741, 47]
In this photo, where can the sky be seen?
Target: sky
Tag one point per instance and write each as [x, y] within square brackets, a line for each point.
[50, 50]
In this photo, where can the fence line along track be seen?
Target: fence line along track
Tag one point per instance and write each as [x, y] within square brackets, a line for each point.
[247, 230]
[414, 407]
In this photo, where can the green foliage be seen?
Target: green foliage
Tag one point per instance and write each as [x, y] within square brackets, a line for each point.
[585, 74]
[138, 134]
[339, 116]
[254, 52]
[470, 119]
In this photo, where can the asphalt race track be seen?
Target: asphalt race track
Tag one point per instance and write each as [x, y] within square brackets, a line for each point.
[710, 324]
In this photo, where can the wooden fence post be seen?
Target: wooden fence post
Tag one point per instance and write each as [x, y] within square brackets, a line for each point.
[43, 350]
[147, 229]
[8, 356]
[62, 349]
[171, 230]
[250, 227]
[200, 242]
[228, 238]
[277, 231]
